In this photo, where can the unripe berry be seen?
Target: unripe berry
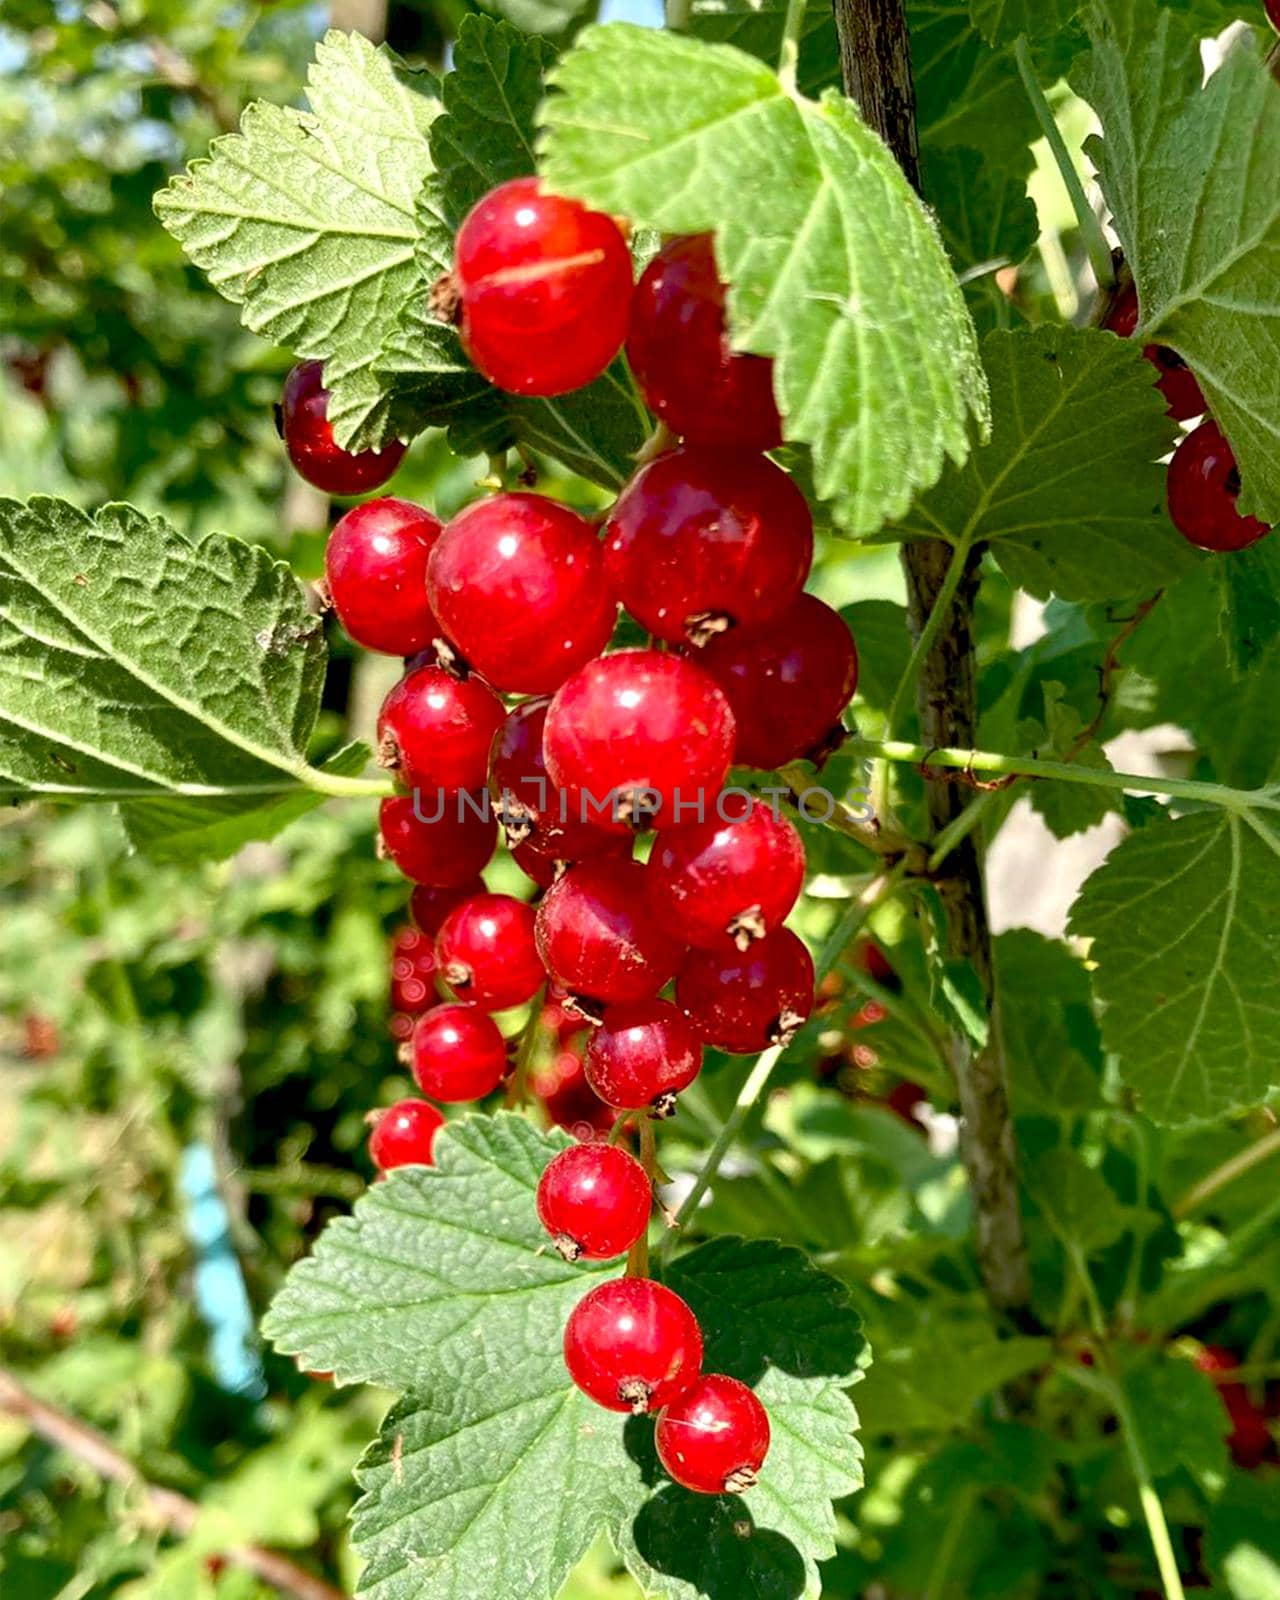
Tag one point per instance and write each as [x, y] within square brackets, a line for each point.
[457, 1053]
[743, 1003]
[714, 1437]
[1204, 485]
[642, 1054]
[444, 851]
[404, 1135]
[434, 731]
[375, 566]
[486, 952]
[308, 438]
[594, 1200]
[632, 1345]
[599, 937]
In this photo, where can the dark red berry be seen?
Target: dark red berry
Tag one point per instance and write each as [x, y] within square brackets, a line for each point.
[434, 731]
[429, 907]
[724, 882]
[1204, 485]
[1273, 12]
[444, 849]
[458, 1053]
[787, 682]
[598, 935]
[308, 438]
[642, 1054]
[746, 1002]
[639, 738]
[413, 972]
[517, 583]
[376, 574]
[545, 287]
[532, 809]
[538, 868]
[403, 1135]
[714, 1437]
[1250, 1438]
[632, 1345]
[568, 1098]
[486, 952]
[706, 539]
[1177, 383]
[679, 352]
[594, 1201]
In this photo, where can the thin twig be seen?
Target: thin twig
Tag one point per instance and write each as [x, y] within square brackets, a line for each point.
[1235, 1167]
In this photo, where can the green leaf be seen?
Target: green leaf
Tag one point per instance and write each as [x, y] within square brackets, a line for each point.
[1187, 946]
[1076, 1201]
[549, 17]
[1250, 587]
[1067, 808]
[135, 662]
[1069, 491]
[756, 27]
[966, 92]
[306, 220]
[932, 1382]
[836, 270]
[986, 217]
[1193, 180]
[884, 648]
[1052, 1047]
[1001, 21]
[1179, 1417]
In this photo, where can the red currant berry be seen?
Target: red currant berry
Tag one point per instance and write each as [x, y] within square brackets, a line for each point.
[486, 952]
[375, 568]
[434, 731]
[532, 808]
[458, 1053]
[1177, 383]
[598, 936]
[594, 1201]
[702, 540]
[517, 583]
[429, 907]
[403, 1135]
[569, 1100]
[632, 1345]
[642, 1054]
[1204, 485]
[308, 438]
[728, 882]
[637, 739]
[714, 1437]
[787, 682]
[413, 972]
[539, 869]
[743, 1003]
[442, 850]
[679, 352]
[545, 287]
[1273, 12]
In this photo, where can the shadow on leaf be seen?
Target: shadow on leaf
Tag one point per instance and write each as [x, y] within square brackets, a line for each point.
[712, 1543]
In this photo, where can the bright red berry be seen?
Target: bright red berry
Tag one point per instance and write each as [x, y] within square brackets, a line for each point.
[444, 843]
[403, 1135]
[642, 1054]
[434, 731]
[787, 682]
[632, 1345]
[714, 1437]
[486, 952]
[376, 574]
[545, 288]
[594, 1201]
[308, 438]
[429, 907]
[639, 738]
[1204, 485]
[533, 810]
[413, 972]
[517, 583]
[746, 1002]
[1177, 383]
[706, 539]
[679, 352]
[457, 1053]
[724, 882]
[598, 935]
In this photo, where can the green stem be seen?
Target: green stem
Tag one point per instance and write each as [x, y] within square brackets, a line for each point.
[1228, 1172]
[959, 829]
[679, 13]
[789, 52]
[333, 783]
[1095, 241]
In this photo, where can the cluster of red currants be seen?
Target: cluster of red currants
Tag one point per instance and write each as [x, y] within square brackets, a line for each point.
[1204, 481]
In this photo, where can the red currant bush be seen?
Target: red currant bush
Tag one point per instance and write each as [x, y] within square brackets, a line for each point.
[743, 1002]
[679, 352]
[457, 1053]
[308, 439]
[441, 851]
[533, 811]
[517, 584]
[486, 952]
[632, 1345]
[714, 1437]
[1204, 485]
[639, 738]
[726, 882]
[643, 1054]
[599, 937]
[404, 1134]
[787, 682]
[434, 731]
[594, 1200]
[375, 567]
[545, 288]
[702, 540]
